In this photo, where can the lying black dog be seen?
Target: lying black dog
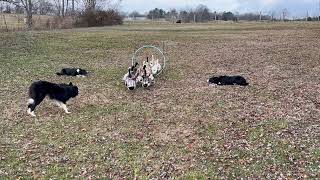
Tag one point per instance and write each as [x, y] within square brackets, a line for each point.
[228, 80]
[73, 72]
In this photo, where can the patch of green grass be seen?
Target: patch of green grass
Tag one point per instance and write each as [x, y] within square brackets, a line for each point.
[258, 167]
[314, 169]
[266, 128]
[102, 111]
[13, 164]
[281, 152]
[57, 172]
[221, 104]
[172, 75]
[276, 124]
[198, 175]
[257, 134]
[316, 153]
[111, 74]
[212, 130]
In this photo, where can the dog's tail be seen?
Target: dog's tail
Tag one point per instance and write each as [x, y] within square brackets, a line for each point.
[31, 107]
[30, 102]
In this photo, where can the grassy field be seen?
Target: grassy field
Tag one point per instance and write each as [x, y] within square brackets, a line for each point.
[181, 128]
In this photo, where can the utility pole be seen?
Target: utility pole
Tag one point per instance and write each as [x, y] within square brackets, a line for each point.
[63, 12]
[319, 12]
[73, 7]
[260, 16]
[307, 16]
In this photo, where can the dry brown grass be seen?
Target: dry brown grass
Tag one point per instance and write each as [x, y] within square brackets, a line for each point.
[180, 128]
[12, 22]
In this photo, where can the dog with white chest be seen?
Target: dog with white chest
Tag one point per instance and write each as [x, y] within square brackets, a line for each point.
[73, 72]
[59, 93]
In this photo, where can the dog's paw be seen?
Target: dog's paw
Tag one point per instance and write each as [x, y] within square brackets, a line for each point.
[68, 112]
[31, 113]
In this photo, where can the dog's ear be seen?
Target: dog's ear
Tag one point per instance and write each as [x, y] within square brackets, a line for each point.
[70, 84]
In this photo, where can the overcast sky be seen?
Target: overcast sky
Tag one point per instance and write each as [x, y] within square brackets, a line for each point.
[295, 7]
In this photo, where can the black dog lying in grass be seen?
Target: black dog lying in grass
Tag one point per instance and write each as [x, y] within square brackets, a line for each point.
[73, 72]
[228, 80]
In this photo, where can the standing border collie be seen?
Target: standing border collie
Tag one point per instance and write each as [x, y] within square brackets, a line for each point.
[72, 72]
[59, 93]
[228, 80]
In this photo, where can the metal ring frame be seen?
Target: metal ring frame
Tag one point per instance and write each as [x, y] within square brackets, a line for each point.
[153, 47]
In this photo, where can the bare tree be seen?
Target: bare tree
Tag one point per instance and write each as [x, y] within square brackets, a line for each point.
[27, 5]
[319, 11]
[172, 15]
[90, 4]
[101, 4]
[260, 16]
[62, 7]
[202, 13]
[285, 13]
[8, 9]
[272, 15]
[134, 15]
[1, 7]
[72, 6]
[57, 7]
[45, 7]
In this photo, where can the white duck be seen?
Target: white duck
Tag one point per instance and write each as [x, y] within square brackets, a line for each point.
[158, 65]
[154, 67]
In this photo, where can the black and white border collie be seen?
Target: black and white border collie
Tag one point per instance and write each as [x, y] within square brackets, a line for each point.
[59, 93]
[228, 80]
[73, 72]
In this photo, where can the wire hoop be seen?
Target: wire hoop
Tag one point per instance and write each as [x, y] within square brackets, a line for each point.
[135, 55]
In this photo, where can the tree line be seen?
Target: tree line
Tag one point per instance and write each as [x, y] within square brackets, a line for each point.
[200, 14]
[203, 14]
